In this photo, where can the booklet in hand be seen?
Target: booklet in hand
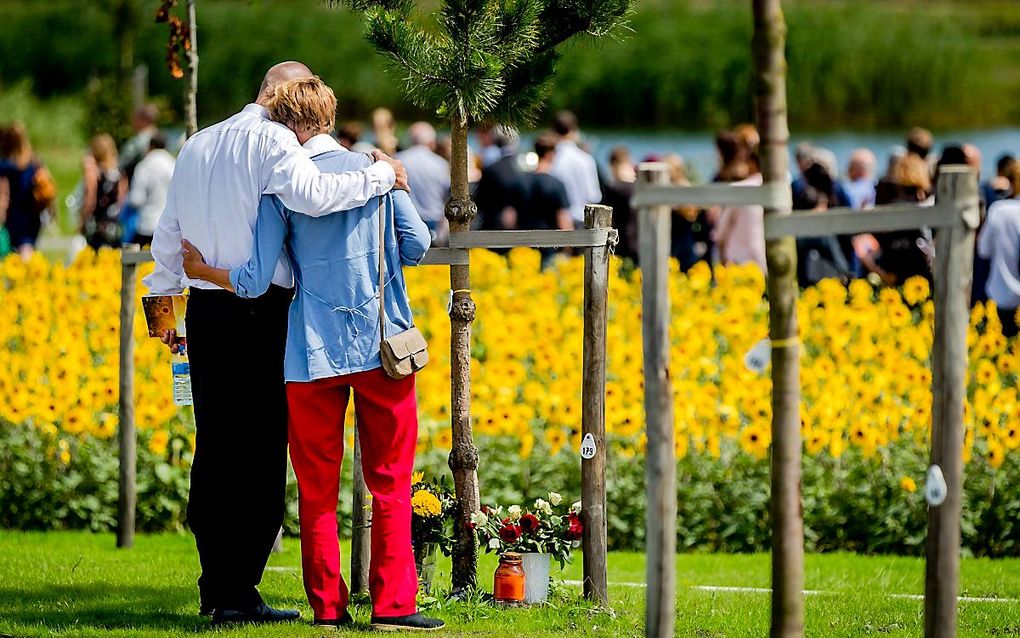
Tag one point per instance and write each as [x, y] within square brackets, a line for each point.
[165, 312]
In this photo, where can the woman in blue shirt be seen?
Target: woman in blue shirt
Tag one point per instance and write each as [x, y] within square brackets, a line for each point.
[333, 348]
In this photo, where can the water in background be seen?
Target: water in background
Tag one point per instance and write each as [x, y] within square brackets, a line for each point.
[698, 149]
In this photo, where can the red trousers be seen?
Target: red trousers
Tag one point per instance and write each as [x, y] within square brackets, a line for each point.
[387, 421]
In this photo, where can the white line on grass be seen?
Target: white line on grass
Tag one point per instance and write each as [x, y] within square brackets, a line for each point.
[749, 590]
[807, 592]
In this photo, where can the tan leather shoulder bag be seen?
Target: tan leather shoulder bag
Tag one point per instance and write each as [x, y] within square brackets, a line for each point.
[405, 353]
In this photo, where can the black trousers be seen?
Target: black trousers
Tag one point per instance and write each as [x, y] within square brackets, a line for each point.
[239, 473]
[1007, 317]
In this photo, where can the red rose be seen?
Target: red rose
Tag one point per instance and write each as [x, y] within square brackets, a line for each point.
[574, 527]
[510, 533]
[530, 523]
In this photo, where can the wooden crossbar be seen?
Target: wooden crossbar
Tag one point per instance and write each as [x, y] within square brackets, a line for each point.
[440, 256]
[848, 221]
[774, 195]
[590, 238]
[434, 257]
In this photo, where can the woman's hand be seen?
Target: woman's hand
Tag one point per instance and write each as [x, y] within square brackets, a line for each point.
[194, 262]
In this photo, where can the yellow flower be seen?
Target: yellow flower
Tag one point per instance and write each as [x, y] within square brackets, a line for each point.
[996, 454]
[159, 441]
[417, 477]
[425, 504]
[755, 441]
[907, 484]
[916, 290]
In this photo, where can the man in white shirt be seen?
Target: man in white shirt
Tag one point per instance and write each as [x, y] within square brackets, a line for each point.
[428, 174]
[236, 346]
[149, 187]
[575, 167]
[999, 242]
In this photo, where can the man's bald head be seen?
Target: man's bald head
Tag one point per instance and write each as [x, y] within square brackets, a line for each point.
[280, 73]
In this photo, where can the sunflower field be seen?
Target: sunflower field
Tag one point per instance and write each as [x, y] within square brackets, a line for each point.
[866, 408]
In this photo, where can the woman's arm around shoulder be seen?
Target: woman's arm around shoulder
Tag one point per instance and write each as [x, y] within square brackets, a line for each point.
[253, 278]
[413, 236]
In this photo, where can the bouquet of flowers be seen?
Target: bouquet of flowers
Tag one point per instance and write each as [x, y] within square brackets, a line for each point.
[432, 513]
[546, 527]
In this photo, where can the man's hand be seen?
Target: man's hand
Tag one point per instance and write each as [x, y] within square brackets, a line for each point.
[170, 338]
[193, 260]
[398, 168]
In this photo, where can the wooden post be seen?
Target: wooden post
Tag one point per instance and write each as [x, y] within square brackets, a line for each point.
[361, 547]
[460, 210]
[593, 409]
[191, 93]
[954, 256]
[126, 412]
[654, 226]
[769, 58]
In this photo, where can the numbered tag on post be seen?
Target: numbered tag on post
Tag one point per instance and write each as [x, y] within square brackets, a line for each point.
[758, 357]
[935, 488]
[588, 447]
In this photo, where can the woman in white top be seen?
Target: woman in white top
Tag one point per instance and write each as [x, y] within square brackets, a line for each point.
[999, 242]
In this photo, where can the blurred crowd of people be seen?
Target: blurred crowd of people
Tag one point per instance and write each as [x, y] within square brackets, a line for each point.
[547, 185]
[119, 197]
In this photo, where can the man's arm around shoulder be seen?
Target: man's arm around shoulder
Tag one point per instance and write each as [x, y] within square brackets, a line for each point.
[303, 188]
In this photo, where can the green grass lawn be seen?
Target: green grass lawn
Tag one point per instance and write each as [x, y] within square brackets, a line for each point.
[78, 584]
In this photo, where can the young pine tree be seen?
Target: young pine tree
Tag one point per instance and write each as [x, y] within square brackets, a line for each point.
[477, 61]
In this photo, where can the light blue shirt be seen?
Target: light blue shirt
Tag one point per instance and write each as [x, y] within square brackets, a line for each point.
[999, 242]
[334, 318]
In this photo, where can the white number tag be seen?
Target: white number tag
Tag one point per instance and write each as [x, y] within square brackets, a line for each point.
[935, 488]
[757, 358]
[588, 447]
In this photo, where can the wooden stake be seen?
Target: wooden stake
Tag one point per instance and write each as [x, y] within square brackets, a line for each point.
[654, 226]
[191, 94]
[954, 255]
[460, 210]
[593, 408]
[126, 411]
[768, 47]
[361, 546]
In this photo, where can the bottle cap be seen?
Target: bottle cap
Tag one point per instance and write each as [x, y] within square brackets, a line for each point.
[510, 557]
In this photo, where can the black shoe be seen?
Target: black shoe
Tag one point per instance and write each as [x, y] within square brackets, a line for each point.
[343, 621]
[256, 615]
[414, 622]
[206, 610]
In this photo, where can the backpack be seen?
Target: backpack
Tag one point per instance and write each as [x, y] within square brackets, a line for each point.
[44, 189]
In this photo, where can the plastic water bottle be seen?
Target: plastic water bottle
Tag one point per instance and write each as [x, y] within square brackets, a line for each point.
[181, 370]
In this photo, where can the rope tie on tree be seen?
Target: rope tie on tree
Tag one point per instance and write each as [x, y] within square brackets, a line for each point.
[785, 343]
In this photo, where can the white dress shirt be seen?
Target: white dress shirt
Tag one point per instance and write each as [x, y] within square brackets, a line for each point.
[577, 170]
[999, 242]
[149, 186]
[222, 172]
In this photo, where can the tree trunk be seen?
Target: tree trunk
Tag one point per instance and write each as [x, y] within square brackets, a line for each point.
[191, 94]
[781, 256]
[463, 455]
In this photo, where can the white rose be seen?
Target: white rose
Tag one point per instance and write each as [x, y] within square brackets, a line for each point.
[555, 498]
[479, 518]
[514, 511]
[493, 543]
[576, 507]
[543, 506]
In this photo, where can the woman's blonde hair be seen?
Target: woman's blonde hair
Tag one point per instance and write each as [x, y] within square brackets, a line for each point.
[306, 105]
[104, 150]
[912, 172]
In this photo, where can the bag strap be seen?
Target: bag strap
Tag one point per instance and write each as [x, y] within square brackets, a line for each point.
[382, 263]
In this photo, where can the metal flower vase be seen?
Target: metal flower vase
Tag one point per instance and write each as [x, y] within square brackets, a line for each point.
[536, 577]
